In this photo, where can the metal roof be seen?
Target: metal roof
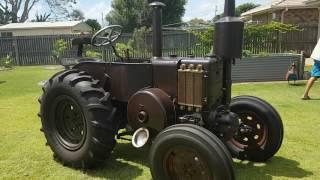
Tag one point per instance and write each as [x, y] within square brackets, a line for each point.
[40, 25]
[281, 4]
[313, 2]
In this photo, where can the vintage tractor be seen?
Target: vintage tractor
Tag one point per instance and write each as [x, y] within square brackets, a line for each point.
[182, 106]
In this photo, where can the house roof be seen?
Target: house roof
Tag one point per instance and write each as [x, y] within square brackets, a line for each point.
[281, 4]
[313, 2]
[40, 25]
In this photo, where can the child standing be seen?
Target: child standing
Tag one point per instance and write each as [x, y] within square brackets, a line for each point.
[315, 72]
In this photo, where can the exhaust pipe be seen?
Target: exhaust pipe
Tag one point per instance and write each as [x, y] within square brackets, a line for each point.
[140, 137]
[157, 28]
[228, 44]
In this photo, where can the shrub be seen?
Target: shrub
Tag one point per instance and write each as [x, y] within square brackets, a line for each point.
[247, 53]
[6, 62]
[257, 34]
[124, 50]
[93, 54]
[59, 48]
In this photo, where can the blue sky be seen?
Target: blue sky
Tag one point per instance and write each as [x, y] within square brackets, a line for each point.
[204, 9]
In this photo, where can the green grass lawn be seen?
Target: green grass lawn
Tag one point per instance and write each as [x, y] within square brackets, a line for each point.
[23, 153]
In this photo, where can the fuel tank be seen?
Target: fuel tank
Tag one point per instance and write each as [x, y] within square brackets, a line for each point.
[128, 78]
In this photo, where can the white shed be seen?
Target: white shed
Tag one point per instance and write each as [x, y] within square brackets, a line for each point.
[44, 28]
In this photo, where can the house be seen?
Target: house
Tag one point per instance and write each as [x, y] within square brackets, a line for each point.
[44, 28]
[305, 13]
[299, 12]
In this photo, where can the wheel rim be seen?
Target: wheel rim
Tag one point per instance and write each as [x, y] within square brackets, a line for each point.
[70, 123]
[252, 132]
[185, 163]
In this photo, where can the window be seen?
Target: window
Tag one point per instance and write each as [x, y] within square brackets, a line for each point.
[6, 34]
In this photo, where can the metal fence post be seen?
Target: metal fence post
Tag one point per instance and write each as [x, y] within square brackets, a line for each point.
[302, 65]
[16, 50]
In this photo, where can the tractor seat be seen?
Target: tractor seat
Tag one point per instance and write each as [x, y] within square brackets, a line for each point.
[80, 41]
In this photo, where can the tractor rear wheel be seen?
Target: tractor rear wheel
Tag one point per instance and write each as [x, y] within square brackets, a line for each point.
[77, 119]
[260, 132]
[189, 152]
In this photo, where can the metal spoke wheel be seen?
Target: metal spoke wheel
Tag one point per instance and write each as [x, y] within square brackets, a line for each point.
[260, 133]
[252, 132]
[106, 36]
[189, 152]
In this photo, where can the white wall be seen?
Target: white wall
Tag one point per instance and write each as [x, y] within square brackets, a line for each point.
[52, 31]
[39, 32]
[82, 27]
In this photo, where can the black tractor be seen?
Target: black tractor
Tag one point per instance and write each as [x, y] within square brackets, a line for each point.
[182, 106]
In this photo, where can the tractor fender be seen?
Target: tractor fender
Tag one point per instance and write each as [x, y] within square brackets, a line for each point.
[98, 70]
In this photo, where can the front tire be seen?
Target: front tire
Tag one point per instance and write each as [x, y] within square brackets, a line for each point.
[189, 152]
[77, 119]
[260, 133]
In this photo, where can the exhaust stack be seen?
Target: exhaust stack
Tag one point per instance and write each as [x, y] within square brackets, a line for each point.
[228, 44]
[157, 28]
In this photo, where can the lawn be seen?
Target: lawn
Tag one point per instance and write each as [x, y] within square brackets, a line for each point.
[23, 153]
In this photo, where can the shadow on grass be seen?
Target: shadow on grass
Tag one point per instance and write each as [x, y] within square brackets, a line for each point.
[115, 169]
[2, 82]
[119, 165]
[127, 152]
[276, 167]
[298, 84]
[126, 162]
[314, 99]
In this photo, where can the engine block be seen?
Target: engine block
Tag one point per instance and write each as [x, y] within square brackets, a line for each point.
[190, 87]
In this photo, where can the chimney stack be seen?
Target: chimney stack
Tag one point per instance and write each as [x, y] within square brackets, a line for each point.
[157, 28]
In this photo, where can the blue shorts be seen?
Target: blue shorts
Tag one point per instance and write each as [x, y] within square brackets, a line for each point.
[315, 72]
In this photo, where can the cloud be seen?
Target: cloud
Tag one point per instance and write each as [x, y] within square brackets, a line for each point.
[95, 10]
[205, 9]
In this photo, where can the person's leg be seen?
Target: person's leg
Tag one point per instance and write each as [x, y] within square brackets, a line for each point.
[309, 86]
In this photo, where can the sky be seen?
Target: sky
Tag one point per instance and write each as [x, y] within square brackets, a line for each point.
[205, 9]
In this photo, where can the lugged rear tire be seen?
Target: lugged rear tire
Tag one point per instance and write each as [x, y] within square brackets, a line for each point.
[78, 119]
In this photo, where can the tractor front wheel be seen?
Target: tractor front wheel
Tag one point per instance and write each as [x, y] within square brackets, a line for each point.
[189, 152]
[77, 119]
[260, 133]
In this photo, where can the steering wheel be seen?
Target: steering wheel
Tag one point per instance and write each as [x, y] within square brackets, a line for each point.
[106, 36]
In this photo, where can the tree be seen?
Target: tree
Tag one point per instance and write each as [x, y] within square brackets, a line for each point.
[128, 14]
[18, 10]
[137, 13]
[41, 17]
[76, 15]
[95, 25]
[173, 12]
[239, 10]
[4, 16]
[245, 7]
[196, 22]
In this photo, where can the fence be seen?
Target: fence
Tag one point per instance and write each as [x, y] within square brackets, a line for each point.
[37, 50]
[276, 42]
[272, 68]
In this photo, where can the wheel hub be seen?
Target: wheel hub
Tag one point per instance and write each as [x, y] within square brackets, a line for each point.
[70, 123]
[186, 164]
[251, 133]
